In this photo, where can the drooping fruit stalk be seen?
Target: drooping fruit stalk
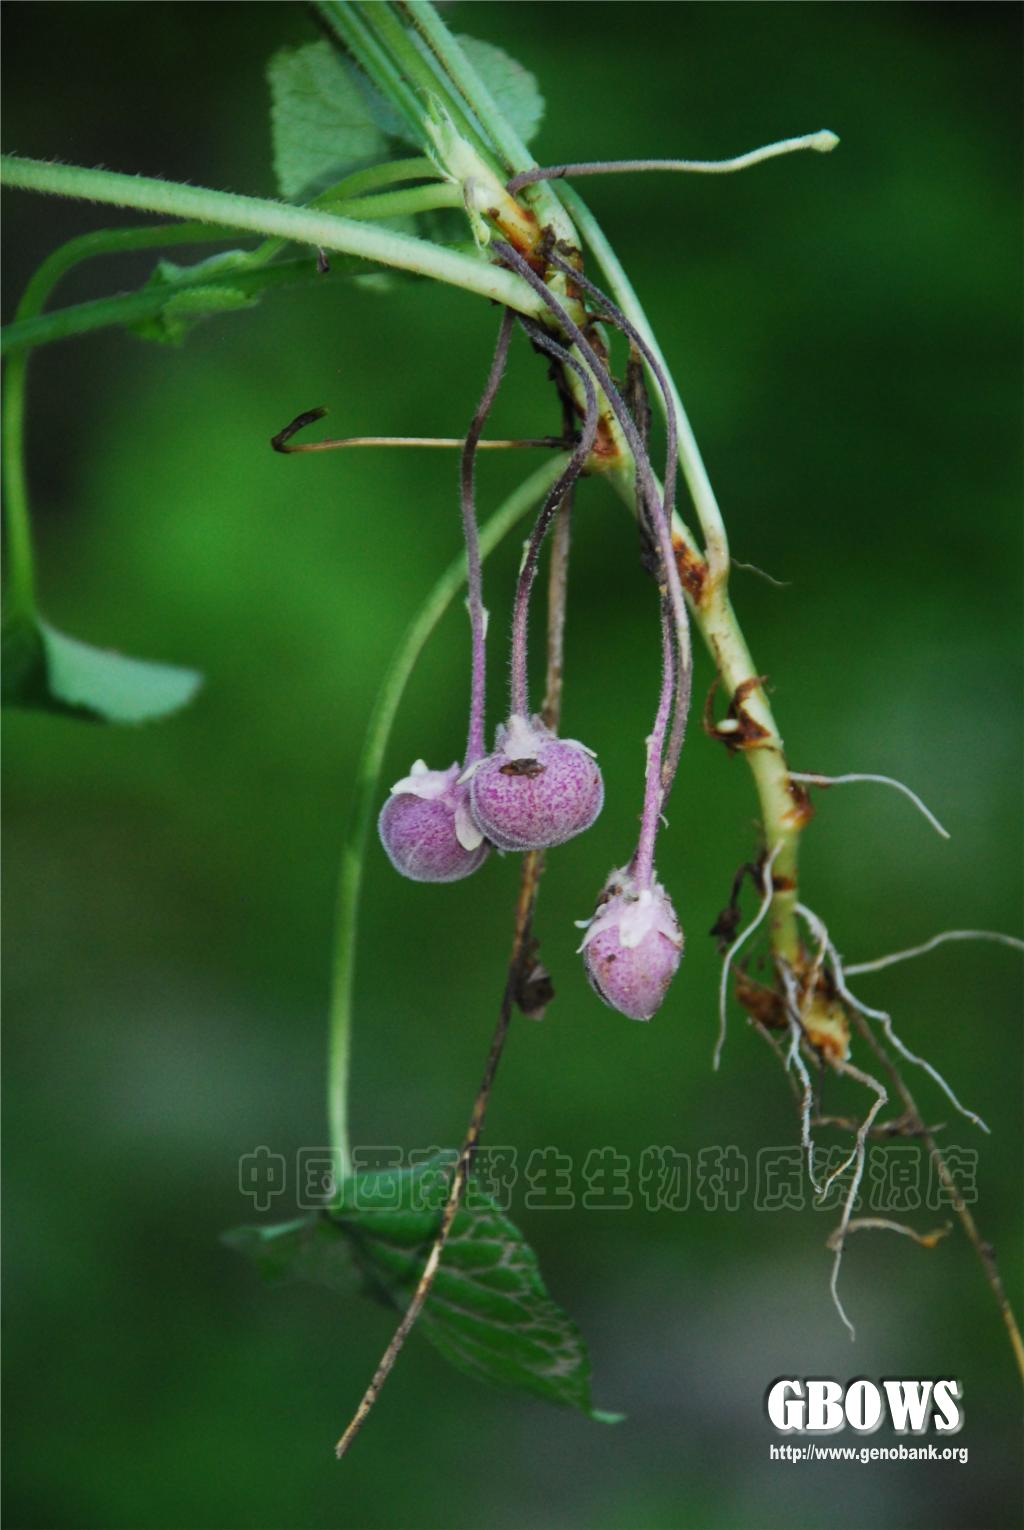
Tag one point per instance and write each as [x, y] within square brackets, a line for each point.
[426, 826]
[536, 790]
[634, 942]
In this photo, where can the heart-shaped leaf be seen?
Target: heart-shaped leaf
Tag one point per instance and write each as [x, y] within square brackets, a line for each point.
[321, 119]
[488, 1313]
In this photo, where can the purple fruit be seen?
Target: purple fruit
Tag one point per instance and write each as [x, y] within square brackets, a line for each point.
[535, 790]
[633, 946]
[426, 827]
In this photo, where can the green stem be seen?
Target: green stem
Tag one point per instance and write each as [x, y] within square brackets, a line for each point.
[132, 307]
[512, 151]
[367, 785]
[21, 589]
[108, 241]
[399, 204]
[385, 174]
[257, 215]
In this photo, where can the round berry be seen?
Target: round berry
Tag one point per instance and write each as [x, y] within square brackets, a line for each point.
[633, 946]
[426, 827]
[535, 790]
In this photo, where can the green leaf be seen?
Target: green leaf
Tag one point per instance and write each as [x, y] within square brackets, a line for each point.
[190, 297]
[321, 119]
[488, 1313]
[45, 670]
[514, 88]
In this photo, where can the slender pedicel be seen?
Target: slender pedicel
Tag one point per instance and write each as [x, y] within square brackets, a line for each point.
[684, 673]
[647, 482]
[822, 143]
[528, 571]
[475, 746]
[426, 826]
[634, 942]
[537, 790]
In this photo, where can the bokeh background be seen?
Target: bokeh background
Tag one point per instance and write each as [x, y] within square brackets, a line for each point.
[846, 333]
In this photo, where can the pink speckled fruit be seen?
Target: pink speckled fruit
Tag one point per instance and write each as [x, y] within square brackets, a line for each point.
[426, 828]
[535, 790]
[633, 946]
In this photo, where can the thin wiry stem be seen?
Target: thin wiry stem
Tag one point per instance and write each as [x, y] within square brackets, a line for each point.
[822, 143]
[809, 778]
[528, 571]
[981, 1246]
[854, 968]
[767, 893]
[475, 746]
[460, 1177]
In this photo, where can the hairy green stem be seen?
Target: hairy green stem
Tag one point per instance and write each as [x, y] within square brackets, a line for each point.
[261, 216]
[366, 791]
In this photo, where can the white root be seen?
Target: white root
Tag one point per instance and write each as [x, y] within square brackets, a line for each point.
[809, 778]
[855, 968]
[858, 1158]
[885, 1020]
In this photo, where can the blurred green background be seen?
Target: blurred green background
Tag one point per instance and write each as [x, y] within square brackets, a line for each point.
[846, 333]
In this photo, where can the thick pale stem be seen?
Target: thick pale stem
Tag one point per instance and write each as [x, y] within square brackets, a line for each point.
[475, 747]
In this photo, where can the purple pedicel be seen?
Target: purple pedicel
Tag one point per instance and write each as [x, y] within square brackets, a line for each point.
[426, 828]
[536, 790]
[633, 946]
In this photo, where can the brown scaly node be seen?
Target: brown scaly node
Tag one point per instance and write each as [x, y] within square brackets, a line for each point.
[744, 733]
[693, 571]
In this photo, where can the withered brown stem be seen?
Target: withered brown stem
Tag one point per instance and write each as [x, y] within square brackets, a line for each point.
[981, 1247]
